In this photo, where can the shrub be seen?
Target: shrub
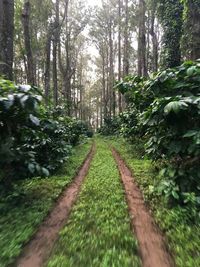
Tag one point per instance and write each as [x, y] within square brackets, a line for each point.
[33, 141]
[111, 126]
[165, 109]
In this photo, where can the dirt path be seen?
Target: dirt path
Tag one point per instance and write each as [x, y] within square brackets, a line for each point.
[151, 242]
[38, 249]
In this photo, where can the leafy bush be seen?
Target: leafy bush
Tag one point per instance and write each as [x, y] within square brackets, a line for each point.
[33, 141]
[173, 126]
[111, 126]
[165, 109]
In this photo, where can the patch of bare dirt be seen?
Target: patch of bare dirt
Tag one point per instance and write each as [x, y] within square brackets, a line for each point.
[152, 244]
[37, 251]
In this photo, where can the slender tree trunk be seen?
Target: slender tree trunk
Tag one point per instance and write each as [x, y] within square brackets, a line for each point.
[126, 41]
[48, 61]
[194, 17]
[142, 65]
[119, 55]
[55, 54]
[104, 85]
[111, 72]
[154, 39]
[6, 38]
[27, 42]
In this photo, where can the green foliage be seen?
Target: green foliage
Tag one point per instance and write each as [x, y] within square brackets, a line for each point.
[165, 110]
[111, 126]
[172, 125]
[98, 232]
[33, 141]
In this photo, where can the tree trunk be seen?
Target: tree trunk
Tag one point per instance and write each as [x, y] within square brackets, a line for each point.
[55, 54]
[111, 71]
[119, 55]
[142, 65]
[126, 41]
[48, 61]
[6, 38]
[27, 42]
[154, 38]
[194, 17]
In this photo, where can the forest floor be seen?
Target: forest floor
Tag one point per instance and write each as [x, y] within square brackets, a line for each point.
[102, 219]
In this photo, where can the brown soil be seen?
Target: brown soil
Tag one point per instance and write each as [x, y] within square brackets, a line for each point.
[152, 245]
[37, 251]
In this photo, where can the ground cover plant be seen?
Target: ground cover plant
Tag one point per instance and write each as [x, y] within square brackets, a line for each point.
[24, 208]
[179, 223]
[98, 232]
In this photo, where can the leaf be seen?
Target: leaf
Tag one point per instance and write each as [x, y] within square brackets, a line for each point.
[34, 120]
[191, 70]
[175, 106]
[31, 167]
[190, 134]
[175, 195]
[45, 172]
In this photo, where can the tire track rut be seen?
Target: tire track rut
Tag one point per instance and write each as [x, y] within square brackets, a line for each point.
[152, 246]
[38, 249]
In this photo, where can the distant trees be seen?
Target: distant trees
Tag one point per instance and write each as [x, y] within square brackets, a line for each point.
[131, 37]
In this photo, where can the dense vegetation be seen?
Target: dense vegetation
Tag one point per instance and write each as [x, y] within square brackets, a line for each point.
[164, 110]
[34, 141]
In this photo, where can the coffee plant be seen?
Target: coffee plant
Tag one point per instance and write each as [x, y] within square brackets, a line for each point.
[165, 110]
[33, 141]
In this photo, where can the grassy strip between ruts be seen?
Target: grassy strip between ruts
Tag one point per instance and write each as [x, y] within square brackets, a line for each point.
[98, 232]
[183, 234]
[24, 209]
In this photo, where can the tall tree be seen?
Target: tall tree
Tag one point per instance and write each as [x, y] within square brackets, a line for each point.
[119, 51]
[27, 42]
[142, 62]
[6, 37]
[191, 39]
[126, 40]
[171, 17]
[55, 52]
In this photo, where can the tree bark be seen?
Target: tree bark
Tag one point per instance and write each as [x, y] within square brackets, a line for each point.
[111, 72]
[126, 41]
[27, 41]
[154, 38]
[142, 65]
[48, 63]
[119, 54]
[6, 38]
[194, 17]
[55, 54]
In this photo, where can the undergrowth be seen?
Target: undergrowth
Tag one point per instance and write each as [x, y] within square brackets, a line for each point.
[179, 223]
[98, 232]
[24, 208]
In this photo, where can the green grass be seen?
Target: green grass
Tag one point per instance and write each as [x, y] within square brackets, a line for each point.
[23, 209]
[98, 233]
[182, 232]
